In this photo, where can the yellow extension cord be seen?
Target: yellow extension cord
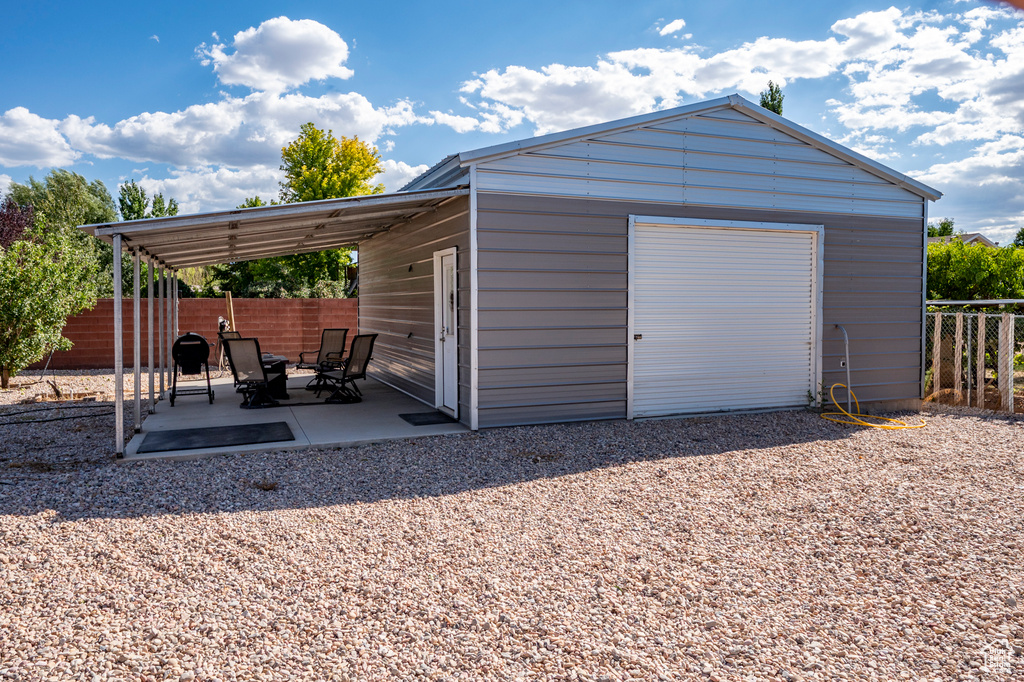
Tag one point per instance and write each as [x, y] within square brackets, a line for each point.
[855, 417]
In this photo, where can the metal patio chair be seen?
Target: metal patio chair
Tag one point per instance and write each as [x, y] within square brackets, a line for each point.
[250, 375]
[220, 345]
[191, 355]
[329, 356]
[342, 382]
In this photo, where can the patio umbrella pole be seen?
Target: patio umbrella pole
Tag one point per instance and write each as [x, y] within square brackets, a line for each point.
[137, 339]
[118, 353]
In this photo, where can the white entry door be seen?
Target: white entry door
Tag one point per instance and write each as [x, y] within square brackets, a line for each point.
[446, 332]
[724, 315]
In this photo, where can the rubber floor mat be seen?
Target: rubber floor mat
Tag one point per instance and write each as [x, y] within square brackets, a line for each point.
[216, 437]
[427, 418]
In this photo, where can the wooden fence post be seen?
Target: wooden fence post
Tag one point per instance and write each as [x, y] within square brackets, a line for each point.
[981, 361]
[1006, 361]
[958, 383]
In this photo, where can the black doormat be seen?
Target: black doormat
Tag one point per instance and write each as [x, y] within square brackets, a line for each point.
[215, 437]
[427, 418]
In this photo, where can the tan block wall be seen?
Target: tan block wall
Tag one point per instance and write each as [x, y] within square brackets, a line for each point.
[283, 326]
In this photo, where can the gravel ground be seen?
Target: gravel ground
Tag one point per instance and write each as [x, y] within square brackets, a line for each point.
[776, 546]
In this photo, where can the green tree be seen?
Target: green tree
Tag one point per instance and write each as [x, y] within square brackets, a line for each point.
[960, 272]
[771, 98]
[135, 205]
[1018, 241]
[943, 229]
[317, 165]
[43, 281]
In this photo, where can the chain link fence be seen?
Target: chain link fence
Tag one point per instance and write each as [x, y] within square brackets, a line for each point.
[975, 358]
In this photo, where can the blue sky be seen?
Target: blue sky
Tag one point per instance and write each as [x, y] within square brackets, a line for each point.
[197, 99]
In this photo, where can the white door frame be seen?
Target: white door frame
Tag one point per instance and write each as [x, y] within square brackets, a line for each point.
[440, 367]
[817, 276]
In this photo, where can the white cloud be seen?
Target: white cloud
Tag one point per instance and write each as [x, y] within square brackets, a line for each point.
[397, 174]
[236, 131]
[989, 182]
[5, 183]
[213, 188]
[672, 27]
[155, 37]
[278, 55]
[460, 124]
[30, 140]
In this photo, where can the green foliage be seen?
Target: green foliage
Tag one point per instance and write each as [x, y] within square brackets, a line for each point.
[943, 229]
[771, 98]
[135, 205]
[1018, 240]
[43, 280]
[317, 165]
[960, 272]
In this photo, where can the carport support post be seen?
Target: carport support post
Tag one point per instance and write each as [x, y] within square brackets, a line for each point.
[160, 328]
[149, 308]
[168, 321]
[118, 353]
[137, 339]
[175, 299]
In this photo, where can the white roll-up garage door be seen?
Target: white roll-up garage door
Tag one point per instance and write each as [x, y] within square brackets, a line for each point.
[723, 315]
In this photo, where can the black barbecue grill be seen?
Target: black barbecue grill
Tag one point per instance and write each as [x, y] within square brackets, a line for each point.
[191, 355]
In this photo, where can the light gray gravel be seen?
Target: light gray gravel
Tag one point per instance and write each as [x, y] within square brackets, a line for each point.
[776, 546]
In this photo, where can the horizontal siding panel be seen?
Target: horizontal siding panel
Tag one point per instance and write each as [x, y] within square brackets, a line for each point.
[500, 218]
[910, 301]
[544, 242]
[526, 260]
[882, 239]
[741, 178]
[554, 299]
[551, 357]
[567, 318]
[869, 284]
[682, 158]
[878, 254]
[525, 279]
[396, 297]
[691, 194]
[862, 268]
[736, 129]
[544, 376]
[534, 395]
[552, 414]
[548, 337]
[647, 137]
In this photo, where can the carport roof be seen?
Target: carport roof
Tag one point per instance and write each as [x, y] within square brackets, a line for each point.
[250, 233]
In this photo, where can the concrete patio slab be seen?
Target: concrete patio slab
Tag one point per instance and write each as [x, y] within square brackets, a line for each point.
[313, 422]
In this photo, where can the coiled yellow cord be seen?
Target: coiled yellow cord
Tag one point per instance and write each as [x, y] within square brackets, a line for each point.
[855, 417]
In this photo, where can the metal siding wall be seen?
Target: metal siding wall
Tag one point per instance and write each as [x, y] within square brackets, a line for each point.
[398, 303]
[872, 285]
[702, 160]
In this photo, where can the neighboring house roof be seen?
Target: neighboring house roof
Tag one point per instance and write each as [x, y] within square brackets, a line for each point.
[454, 169]
[967, 238]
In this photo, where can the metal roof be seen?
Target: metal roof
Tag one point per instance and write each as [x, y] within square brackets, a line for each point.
[249, 233]
[432, 176]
